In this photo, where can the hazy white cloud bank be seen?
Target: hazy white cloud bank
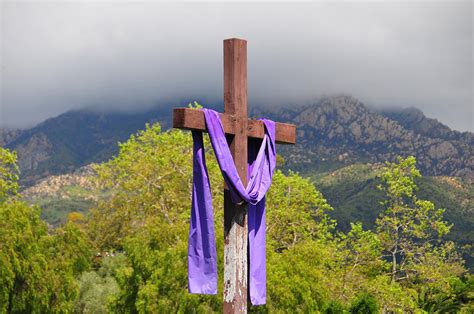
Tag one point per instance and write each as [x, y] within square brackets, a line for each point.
[58, 56]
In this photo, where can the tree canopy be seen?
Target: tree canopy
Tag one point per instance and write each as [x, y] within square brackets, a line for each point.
[38, 267]
[129, 253]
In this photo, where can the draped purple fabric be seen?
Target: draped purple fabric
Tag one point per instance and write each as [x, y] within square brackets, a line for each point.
[202, 268]
[202, 262]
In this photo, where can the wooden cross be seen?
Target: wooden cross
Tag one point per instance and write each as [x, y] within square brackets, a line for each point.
[237, 128]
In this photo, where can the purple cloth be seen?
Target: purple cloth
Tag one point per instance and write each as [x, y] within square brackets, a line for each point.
[202, 267]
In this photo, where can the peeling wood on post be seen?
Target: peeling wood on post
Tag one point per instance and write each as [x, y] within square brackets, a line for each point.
[235, 263]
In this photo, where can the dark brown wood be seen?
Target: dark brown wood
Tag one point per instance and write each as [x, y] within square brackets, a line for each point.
[193, 119]
[235, 216]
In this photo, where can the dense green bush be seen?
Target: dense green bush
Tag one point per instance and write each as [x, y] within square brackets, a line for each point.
[38, 267]
[364, 304]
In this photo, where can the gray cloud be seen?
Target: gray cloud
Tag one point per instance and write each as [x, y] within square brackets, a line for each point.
[127, 56]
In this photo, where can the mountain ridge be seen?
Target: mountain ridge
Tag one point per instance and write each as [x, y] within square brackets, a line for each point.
[343, 130]
[332, 132]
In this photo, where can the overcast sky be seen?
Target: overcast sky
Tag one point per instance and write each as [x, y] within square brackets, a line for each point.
[127, 56]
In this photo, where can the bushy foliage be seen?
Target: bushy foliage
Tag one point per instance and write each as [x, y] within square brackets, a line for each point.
[37, 267]
[410, 231]
[401, 266]
[310, 266]
[152, 224]
[99, 289]
[147, 216]
[364, 304]
[9, 174]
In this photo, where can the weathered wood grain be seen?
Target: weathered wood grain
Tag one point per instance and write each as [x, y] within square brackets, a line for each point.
[235, 216]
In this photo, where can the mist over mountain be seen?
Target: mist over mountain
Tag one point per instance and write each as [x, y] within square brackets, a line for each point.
[332, 133]
[413, 119]
[120, 55]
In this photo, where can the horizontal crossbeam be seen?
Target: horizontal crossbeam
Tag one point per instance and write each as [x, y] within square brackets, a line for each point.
[193, 119]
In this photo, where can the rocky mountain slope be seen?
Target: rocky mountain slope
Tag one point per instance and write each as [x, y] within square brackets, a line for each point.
[59, 195]
[8, 135]
[339, 131]
[74, 139]
[333, 132]
[414, 119]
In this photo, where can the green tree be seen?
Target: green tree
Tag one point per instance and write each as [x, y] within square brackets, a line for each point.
[297, 212]
[9, 174]
[359, 259]
[408, 225]
[458, 298]
[37, 267]
[299, 233]
[410, 231]
[150, 178]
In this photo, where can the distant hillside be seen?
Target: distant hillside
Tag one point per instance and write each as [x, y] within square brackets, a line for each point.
[74, 139]
[352, 191]
[332, 133]
[58, 195]
[8, 135]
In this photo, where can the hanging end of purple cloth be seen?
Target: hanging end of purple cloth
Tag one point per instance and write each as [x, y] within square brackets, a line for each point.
[202, 280]
[202, 290]
[259, 300]
[202, 256]
[257, 250]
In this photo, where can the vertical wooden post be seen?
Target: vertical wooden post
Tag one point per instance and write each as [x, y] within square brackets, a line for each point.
[235, 216]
